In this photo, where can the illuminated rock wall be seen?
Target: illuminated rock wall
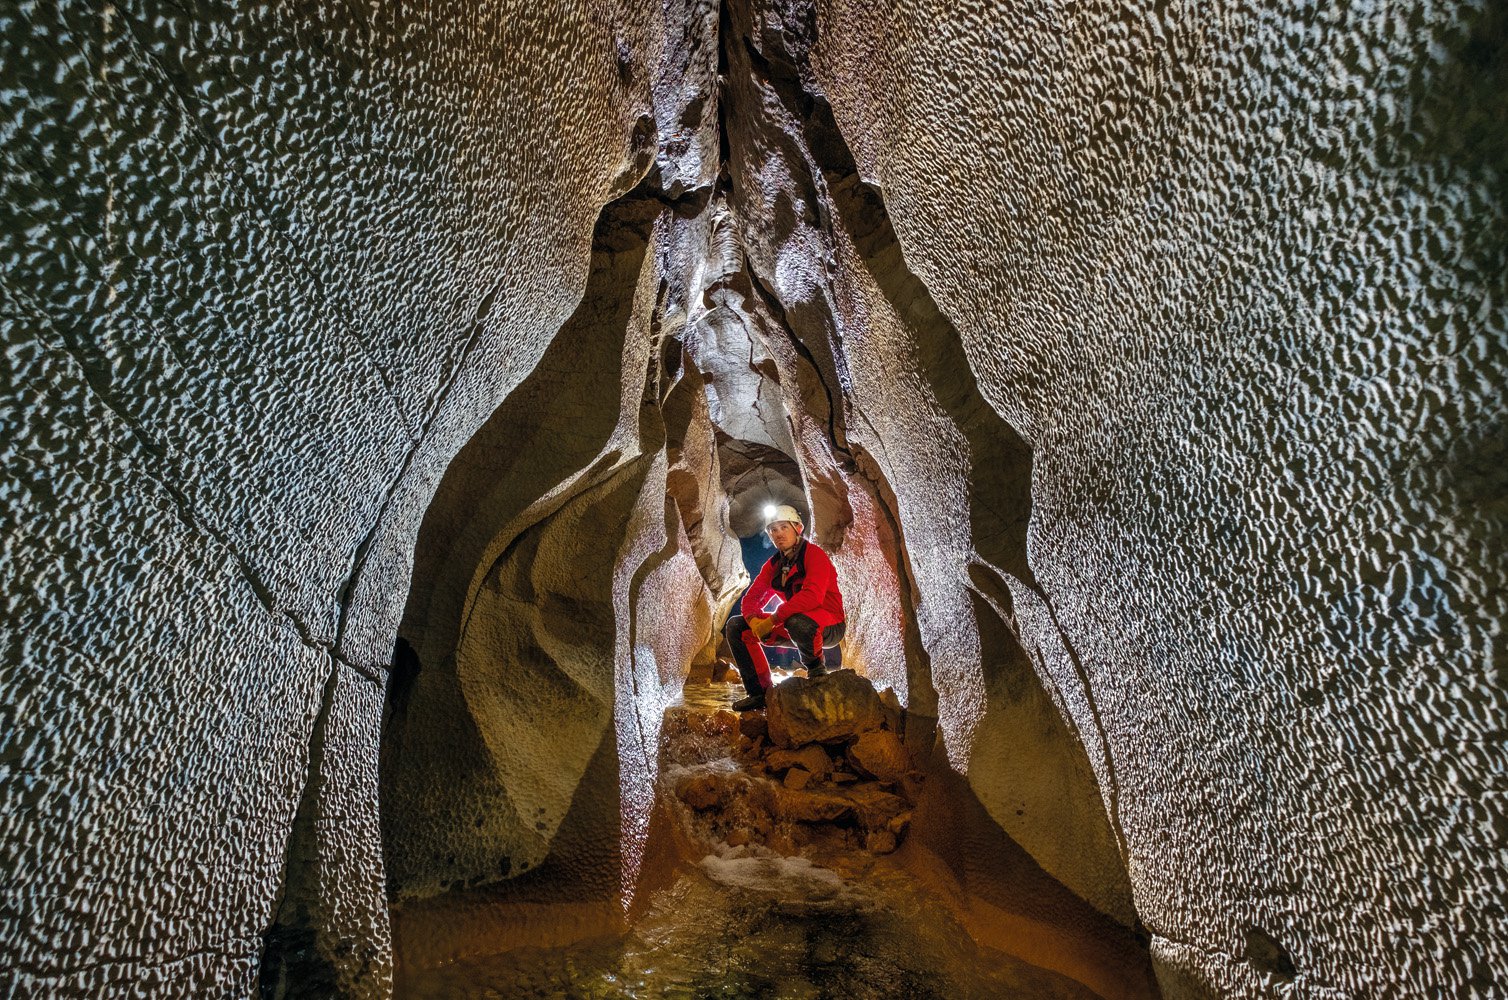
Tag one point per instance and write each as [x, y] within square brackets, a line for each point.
[1235, 274]
[1143, 366]
[266, 268]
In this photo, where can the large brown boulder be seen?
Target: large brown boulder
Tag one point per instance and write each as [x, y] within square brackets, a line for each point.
[828, 709]
[811, 758]
[808, 805]
[880, 754]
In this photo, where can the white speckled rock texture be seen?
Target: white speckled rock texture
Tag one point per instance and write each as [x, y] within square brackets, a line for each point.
[1142, 366]
[1236, 275]
[265, 270]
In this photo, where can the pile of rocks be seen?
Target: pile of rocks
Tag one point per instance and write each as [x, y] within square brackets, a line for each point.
[825, 761]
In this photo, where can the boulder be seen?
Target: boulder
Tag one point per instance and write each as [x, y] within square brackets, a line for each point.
[828, 709]
[753, 725]
[811, 758]
[809, 806]
[880, 754]
[873, 807]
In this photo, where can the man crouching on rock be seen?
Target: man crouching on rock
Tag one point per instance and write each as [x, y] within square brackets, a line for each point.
[809, 618]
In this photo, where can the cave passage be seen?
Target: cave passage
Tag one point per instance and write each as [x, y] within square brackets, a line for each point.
[391, 392]
[567, 801]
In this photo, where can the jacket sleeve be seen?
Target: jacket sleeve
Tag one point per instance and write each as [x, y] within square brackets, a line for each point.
[758, 594]
[820, 577]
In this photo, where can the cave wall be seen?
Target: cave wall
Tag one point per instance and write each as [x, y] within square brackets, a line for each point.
[1143, 365]
[266, 268]
[920, 487]
[1236, 276]
[534, 618]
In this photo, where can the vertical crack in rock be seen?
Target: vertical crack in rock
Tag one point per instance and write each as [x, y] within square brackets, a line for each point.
[294, 965]
[1111, 785]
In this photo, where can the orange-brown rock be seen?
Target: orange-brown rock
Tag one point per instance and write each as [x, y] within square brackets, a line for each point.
[797, 779]
[874, 807]
[700, 792]
[809, 806]
[828, 709]
[753, 725]
[879, 754]
[811, 758]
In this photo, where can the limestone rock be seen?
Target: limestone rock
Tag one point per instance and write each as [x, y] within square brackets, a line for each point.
[880, 754]
[1039, 365]
[873, 807]
[702, 791]
[810, 758]
[810, 806]
[753, 725]
[837, 707]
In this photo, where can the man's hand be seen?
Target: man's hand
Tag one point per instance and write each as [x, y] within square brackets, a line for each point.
[761, 626]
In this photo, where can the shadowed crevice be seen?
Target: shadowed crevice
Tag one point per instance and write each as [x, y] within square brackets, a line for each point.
[295, 964]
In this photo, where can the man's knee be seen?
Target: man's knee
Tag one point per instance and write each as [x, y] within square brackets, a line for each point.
[801, 628]
[735, 627]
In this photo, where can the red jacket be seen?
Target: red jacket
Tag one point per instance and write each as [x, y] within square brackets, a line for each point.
[810, 588]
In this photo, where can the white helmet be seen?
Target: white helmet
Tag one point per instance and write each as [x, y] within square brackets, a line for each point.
[785, 512]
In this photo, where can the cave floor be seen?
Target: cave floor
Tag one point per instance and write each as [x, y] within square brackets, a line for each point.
[765, 927]
[745, 922]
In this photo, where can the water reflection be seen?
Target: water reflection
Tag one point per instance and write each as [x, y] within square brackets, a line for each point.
[747, 924]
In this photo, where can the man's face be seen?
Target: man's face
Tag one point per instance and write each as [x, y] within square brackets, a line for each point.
[784, 534]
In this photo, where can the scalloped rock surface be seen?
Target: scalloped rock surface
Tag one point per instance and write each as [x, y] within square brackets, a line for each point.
[1141, 365]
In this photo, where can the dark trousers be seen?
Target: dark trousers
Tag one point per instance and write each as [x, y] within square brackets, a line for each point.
[816, 643]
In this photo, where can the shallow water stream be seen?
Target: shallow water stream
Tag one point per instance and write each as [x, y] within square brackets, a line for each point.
[745, 922]
[767, 927]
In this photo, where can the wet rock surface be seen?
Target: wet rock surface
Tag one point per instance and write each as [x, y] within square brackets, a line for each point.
[784, 892]
[807, 783]
[835, 708]
[748, 925]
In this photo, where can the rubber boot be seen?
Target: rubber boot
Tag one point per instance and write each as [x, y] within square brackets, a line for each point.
[752, 703]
